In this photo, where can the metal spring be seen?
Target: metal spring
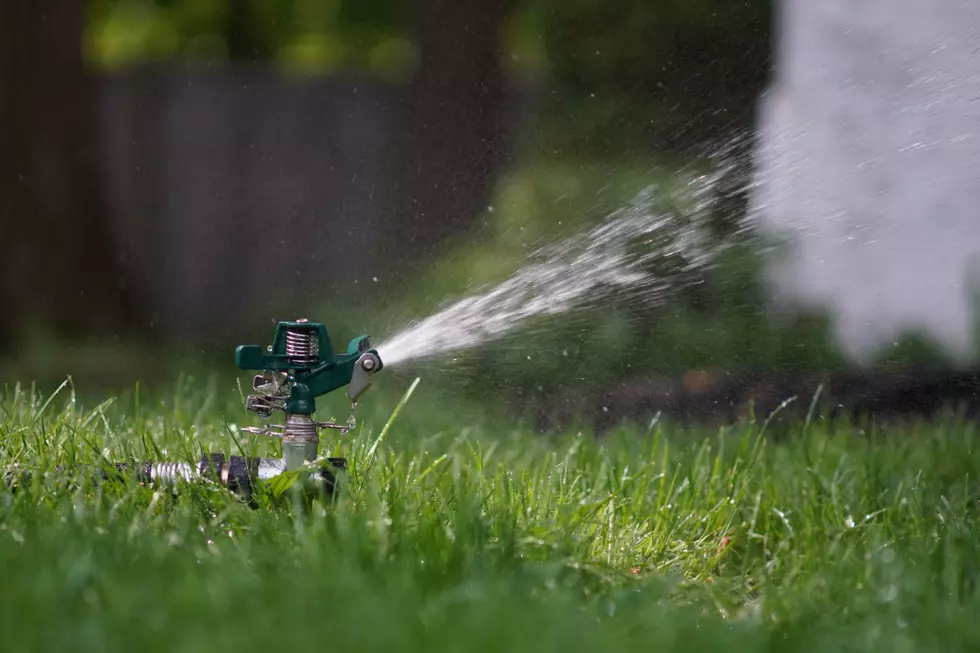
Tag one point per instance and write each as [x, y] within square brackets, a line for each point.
[170, 472]
[300, 425]
[302, 346]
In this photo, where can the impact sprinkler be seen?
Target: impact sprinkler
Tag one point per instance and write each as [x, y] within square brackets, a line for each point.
[298, 367]
[295, 369]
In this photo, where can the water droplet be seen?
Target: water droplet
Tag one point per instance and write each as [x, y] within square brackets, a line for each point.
[888, 594]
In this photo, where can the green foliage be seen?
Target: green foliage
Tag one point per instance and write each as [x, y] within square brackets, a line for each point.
[300, 35]
[830, 539]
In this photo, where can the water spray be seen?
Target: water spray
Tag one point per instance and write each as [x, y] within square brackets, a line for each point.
[660, 242]
[299, 366]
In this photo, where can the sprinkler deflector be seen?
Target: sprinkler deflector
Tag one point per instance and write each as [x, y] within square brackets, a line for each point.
[299, 366]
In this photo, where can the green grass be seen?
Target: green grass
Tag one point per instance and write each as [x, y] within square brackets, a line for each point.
[469, 535]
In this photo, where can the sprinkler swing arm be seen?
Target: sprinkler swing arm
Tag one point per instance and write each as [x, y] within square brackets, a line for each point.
[296, 368]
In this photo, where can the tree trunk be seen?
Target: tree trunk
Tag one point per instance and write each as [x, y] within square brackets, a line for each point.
[452, 138]
[56, 255]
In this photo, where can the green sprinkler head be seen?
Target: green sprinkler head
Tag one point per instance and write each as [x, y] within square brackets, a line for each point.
[298, 367]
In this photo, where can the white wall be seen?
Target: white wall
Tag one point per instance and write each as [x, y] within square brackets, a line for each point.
[870, 161]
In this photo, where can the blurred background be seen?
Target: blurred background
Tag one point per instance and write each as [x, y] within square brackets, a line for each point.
[177, 175]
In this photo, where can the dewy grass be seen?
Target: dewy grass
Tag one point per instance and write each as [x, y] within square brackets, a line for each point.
[473, 538]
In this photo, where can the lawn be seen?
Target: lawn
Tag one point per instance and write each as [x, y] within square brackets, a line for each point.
[474, 534]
